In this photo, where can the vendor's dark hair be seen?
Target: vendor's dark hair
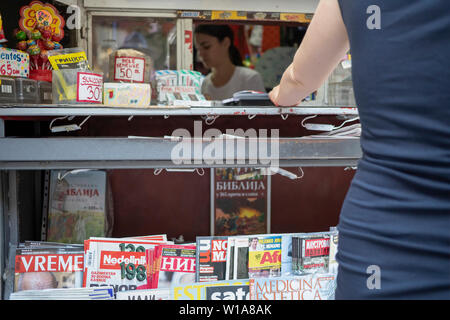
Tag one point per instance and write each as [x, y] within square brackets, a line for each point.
[221, 32]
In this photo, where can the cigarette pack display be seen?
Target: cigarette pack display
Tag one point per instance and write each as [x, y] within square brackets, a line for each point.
[7, 90]
[44, 92]
[26, 90]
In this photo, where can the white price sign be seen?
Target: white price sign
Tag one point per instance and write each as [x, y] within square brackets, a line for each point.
[89, 87]
[129, 69]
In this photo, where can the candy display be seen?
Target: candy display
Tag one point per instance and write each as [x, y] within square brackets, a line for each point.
[39, 16]
[2, 33]
[40, 30]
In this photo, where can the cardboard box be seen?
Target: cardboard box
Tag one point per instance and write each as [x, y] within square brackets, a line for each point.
[126, 94]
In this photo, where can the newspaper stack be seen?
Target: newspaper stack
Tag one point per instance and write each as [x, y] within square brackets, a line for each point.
[103, 293]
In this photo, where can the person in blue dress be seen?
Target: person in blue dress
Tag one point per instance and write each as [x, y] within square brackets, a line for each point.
[394, 225]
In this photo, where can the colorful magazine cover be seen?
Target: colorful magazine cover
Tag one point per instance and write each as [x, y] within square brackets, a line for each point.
[211, 258]
[312, 253]
[48, 267]
[240, 201]
[313, 286]
[117, 262]
[174, 264]
[264, 256]
[197, 290]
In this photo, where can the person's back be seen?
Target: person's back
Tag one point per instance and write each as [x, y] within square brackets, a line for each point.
[396, 217]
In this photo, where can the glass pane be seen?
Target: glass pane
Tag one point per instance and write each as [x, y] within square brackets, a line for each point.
[155, 37]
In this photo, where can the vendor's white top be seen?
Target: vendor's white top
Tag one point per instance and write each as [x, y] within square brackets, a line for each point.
[243, 79]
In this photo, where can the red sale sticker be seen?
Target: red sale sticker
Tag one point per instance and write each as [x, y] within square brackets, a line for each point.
[89, 87]
[130, 69]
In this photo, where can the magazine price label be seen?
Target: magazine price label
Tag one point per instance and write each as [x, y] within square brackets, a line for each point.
[89, 87]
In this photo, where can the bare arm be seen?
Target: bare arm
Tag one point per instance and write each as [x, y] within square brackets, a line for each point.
[324, 45]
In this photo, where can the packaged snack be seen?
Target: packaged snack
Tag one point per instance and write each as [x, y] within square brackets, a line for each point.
[130, 65]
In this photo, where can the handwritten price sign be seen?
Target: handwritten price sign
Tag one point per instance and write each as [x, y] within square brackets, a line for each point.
[129, 69]
[89, 87]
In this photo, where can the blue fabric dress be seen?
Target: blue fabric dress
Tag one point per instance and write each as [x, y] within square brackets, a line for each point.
[396, 215]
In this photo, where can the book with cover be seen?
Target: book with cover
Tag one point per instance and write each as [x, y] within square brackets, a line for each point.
[211, 258]
[198, 290]
[240, 201]
[48, 267]
[264, 256]
[313, 286]
[312, 253]
[174, 264]
[77, 206]
[117, 262]
[145, 294]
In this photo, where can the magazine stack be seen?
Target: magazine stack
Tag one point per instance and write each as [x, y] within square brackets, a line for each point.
[286, 266]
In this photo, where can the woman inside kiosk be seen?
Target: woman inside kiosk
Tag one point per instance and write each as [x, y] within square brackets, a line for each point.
[216, 50]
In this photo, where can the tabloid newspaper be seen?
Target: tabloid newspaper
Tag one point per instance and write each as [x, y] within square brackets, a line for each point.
[215, 290]
[117, 262]
[77, 206]
[174, 264]
[313, 286]
[264, 256]
[48, 267]
[211, 258]
[144, 294]
[311, 253]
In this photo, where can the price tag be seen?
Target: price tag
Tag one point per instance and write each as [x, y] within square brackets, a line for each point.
[129, 69]
[89, 87]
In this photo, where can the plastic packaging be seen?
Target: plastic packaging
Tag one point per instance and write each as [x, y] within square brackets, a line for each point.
[7, 90]
[26, 90]
[75, 86]
[44, 92]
